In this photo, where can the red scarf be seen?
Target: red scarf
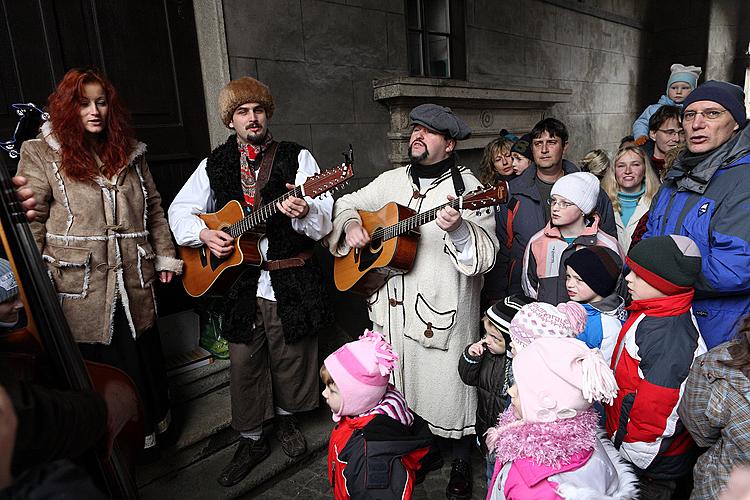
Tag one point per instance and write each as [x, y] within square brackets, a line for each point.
[672, 305]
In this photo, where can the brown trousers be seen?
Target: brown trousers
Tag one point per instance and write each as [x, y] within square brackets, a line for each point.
[268, 372]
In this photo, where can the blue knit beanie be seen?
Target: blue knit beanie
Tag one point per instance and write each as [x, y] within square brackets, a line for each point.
[726, 94]
[687, 74]
[8, 285]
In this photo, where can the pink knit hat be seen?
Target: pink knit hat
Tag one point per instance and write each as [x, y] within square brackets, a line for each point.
[559, 378]
[361, 370]
[539, 319]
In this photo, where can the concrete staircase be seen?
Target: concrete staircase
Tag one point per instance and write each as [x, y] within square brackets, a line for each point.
[201, 442]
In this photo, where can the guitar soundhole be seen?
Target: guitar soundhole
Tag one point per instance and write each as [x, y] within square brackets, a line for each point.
[367, 256]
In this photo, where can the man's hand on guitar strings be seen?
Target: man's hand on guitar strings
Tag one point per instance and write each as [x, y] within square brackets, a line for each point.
[448, 219]
[293, 207]
[219, 242]
[356, 235]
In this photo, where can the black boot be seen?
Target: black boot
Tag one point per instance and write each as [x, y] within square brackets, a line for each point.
[250, 452]
[290, 436]
[459, 485]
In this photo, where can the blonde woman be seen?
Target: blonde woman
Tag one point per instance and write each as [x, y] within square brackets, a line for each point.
[497, 164]
[631, 184]
[596, 161]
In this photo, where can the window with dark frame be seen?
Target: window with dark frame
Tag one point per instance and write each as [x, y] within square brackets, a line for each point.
[435, 38]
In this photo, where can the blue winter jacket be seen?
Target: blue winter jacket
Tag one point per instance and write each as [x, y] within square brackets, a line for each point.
[710, 204]
[640, 126]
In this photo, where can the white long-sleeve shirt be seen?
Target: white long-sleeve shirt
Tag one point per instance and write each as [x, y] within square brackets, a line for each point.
[196, 197]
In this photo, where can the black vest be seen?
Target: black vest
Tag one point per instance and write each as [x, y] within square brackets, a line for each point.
[301, 304]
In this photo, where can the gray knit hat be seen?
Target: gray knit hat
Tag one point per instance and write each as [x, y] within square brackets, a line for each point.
[671, 263]
[8, 285]
[581, 188]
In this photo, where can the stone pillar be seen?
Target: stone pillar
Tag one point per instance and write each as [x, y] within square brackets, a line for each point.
[212, 45]
[722, 40]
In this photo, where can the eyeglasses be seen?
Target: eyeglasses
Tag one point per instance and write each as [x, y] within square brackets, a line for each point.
[671, 132]
[709, 114]
[560, 203]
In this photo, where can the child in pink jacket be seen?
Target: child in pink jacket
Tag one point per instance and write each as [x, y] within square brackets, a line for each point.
[546, 443]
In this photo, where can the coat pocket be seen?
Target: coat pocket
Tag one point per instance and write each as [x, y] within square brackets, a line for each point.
[70, 270]
[146, 270]
[429, 325]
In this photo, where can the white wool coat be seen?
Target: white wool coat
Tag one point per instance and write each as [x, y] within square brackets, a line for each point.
[625, 233]
[440, 294]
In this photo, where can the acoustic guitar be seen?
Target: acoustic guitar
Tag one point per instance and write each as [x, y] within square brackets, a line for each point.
[394, 235]
[203, 271]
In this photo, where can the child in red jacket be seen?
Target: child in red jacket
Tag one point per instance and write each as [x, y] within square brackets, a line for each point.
[379, 447]
[651, 361]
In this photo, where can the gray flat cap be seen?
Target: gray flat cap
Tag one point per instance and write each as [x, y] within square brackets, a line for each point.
[440, 119]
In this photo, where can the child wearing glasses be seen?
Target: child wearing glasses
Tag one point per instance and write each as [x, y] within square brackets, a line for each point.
[573, 225]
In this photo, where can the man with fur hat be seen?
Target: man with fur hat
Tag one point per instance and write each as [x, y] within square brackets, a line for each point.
[430, 314]
[273, 313]
[705, 196]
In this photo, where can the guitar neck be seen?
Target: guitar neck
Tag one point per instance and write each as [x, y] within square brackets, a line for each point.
[261, 215]
[413, 222]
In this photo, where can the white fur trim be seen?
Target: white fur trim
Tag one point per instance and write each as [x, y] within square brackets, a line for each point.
[164, 263]
[86, 275]
[144, 254]
[49, 137]
[139, 150]
[145, 195]
[66, 203]
[116, 236]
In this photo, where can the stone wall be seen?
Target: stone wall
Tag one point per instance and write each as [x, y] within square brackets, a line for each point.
[320, 58]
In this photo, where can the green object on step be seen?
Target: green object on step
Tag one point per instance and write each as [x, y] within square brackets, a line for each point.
[211, 339]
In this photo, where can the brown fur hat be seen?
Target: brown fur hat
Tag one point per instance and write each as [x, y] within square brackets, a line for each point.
[241, 91]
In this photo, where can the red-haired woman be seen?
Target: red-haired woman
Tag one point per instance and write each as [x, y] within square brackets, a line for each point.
[102, 232]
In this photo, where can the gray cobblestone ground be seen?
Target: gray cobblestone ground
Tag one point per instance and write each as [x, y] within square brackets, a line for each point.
[310, 481]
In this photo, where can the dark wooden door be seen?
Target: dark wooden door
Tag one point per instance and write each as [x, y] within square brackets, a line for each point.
[148, 48]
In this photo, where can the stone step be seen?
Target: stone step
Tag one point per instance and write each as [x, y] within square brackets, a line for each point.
[196, 477]
[194, 383]
[196, 432]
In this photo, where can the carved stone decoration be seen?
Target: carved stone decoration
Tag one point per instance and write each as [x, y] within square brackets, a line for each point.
[485, 108]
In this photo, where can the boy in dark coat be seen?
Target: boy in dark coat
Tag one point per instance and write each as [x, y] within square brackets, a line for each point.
[485, 365]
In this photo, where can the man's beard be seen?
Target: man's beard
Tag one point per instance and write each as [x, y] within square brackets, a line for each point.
[417, 159]
[256, 139]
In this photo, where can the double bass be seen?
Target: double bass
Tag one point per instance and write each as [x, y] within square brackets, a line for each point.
[49, 340]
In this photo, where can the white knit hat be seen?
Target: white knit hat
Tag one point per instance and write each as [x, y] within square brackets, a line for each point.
[581, 188]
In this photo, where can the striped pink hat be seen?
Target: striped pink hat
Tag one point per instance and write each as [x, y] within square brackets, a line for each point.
[538, 319]
[361, 370]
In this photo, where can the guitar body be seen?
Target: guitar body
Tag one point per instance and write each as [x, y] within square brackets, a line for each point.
[365, 270]
[203, 271]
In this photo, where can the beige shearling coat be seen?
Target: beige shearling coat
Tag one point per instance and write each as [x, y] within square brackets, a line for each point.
[440, 294]
[101, 241]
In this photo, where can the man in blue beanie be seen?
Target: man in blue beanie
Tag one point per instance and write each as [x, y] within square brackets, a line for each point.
[705, 196]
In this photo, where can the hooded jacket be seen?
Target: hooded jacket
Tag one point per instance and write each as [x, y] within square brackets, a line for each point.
[520, 219]
[710, 204]
[604, 321]
[651, 362]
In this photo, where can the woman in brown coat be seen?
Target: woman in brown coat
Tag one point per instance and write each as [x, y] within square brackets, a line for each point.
[102, 233]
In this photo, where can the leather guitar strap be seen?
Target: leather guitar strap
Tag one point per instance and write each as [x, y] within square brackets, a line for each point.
[264, 173]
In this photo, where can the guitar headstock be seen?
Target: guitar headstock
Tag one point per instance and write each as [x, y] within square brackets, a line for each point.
[328, 180]
[486, 197]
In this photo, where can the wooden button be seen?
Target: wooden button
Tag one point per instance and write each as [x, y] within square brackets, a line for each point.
[428, 333]
[393, 302]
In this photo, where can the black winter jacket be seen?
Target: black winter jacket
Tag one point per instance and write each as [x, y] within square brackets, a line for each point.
[490, 374]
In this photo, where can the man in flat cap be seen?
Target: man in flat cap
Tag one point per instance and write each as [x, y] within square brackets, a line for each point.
[431, 313]
[274, 313]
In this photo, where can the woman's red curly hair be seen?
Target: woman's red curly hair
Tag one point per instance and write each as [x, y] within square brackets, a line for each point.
[115, 142]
